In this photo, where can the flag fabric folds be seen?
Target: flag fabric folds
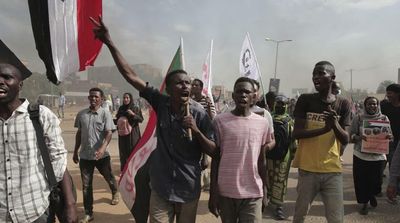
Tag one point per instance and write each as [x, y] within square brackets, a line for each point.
[63, 35]
[206, 74]
[248, 65]
[146, 145]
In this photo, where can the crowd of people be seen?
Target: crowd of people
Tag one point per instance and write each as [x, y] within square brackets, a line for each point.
[242, 155]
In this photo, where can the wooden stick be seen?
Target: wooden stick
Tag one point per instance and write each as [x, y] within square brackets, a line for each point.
[189, 130]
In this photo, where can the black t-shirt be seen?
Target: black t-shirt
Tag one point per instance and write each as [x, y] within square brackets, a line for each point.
[393, 113]
[313, 103]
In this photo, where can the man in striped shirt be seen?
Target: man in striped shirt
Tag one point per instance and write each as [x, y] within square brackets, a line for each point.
[205, 101]
[239, 174]
[24, 189]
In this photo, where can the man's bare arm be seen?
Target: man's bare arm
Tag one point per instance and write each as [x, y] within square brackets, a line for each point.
[101, 33]
[75, 157]
[100, 152]
[270, 145]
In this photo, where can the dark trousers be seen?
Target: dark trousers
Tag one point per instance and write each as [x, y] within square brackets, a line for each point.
[392, 149]
[140, 209]
[367, 178]
[87, 169]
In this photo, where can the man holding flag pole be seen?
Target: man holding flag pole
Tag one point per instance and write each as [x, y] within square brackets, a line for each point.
[175, 163]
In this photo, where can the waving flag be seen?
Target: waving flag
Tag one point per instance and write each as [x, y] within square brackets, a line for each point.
[248, 65]
[206, 76]
[146, 144]
[63, 35]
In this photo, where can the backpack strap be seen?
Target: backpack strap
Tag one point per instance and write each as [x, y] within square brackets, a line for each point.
[33, 110]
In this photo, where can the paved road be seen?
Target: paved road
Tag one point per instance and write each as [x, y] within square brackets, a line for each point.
[106, 213]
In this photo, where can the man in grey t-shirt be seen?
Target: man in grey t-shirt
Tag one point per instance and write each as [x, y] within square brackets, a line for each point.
[94, 133]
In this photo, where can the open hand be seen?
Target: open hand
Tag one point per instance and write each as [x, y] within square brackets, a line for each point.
[100, 30]
[100, 153]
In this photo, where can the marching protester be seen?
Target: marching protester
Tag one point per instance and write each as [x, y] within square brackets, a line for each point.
[128, 118]
[267, 115]
[320, 126]
[280, 157]
[392, 109]
[107, 103]
[238, 173]
[205, 101]
[175, 163]
[61, 105]
[117, 103]
[336, 90]
[367, 167]
[25, 190]
[95, 126]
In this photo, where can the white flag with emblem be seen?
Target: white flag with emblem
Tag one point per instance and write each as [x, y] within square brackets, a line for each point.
[248, 65]
[206, 74]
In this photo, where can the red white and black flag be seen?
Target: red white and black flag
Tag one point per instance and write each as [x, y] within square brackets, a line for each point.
[63, 35]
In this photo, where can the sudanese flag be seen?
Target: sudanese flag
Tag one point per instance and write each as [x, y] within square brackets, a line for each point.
[63, 35]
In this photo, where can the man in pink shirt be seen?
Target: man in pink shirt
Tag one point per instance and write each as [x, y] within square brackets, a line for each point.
[238, 175]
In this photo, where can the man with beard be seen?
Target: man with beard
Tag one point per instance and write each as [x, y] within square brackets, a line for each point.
[320, 126]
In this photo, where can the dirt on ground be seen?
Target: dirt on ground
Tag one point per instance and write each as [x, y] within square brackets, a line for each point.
[106, 213]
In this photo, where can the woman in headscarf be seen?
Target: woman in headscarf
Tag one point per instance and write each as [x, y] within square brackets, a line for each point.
[367, 167]
[128, 118]
[281, 156]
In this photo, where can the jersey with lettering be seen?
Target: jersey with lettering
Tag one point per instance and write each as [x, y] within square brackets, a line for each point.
[321, 153]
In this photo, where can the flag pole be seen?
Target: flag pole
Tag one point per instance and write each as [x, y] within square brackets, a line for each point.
[259, 71]
[182, 55]
[210, 72]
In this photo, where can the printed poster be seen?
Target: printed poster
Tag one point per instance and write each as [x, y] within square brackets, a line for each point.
[376, 133]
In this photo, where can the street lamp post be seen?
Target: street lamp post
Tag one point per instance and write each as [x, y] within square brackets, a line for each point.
[277, 50]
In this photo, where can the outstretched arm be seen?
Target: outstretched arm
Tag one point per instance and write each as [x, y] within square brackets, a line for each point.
[101, 33]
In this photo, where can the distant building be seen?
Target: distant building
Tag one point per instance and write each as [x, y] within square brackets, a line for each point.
[110, 80]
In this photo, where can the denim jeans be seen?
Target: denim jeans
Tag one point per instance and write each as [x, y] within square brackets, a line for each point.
[87, 169]
[246, 210]
[329, 186]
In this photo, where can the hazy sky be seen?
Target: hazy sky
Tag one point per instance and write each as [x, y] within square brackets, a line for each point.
[360, 34]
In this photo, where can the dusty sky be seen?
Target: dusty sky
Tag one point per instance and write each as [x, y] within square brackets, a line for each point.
[353, 34]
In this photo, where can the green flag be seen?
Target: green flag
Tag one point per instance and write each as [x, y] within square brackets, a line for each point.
[177, 63]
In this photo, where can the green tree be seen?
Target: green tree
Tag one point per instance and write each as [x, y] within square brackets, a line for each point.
[382, 86]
